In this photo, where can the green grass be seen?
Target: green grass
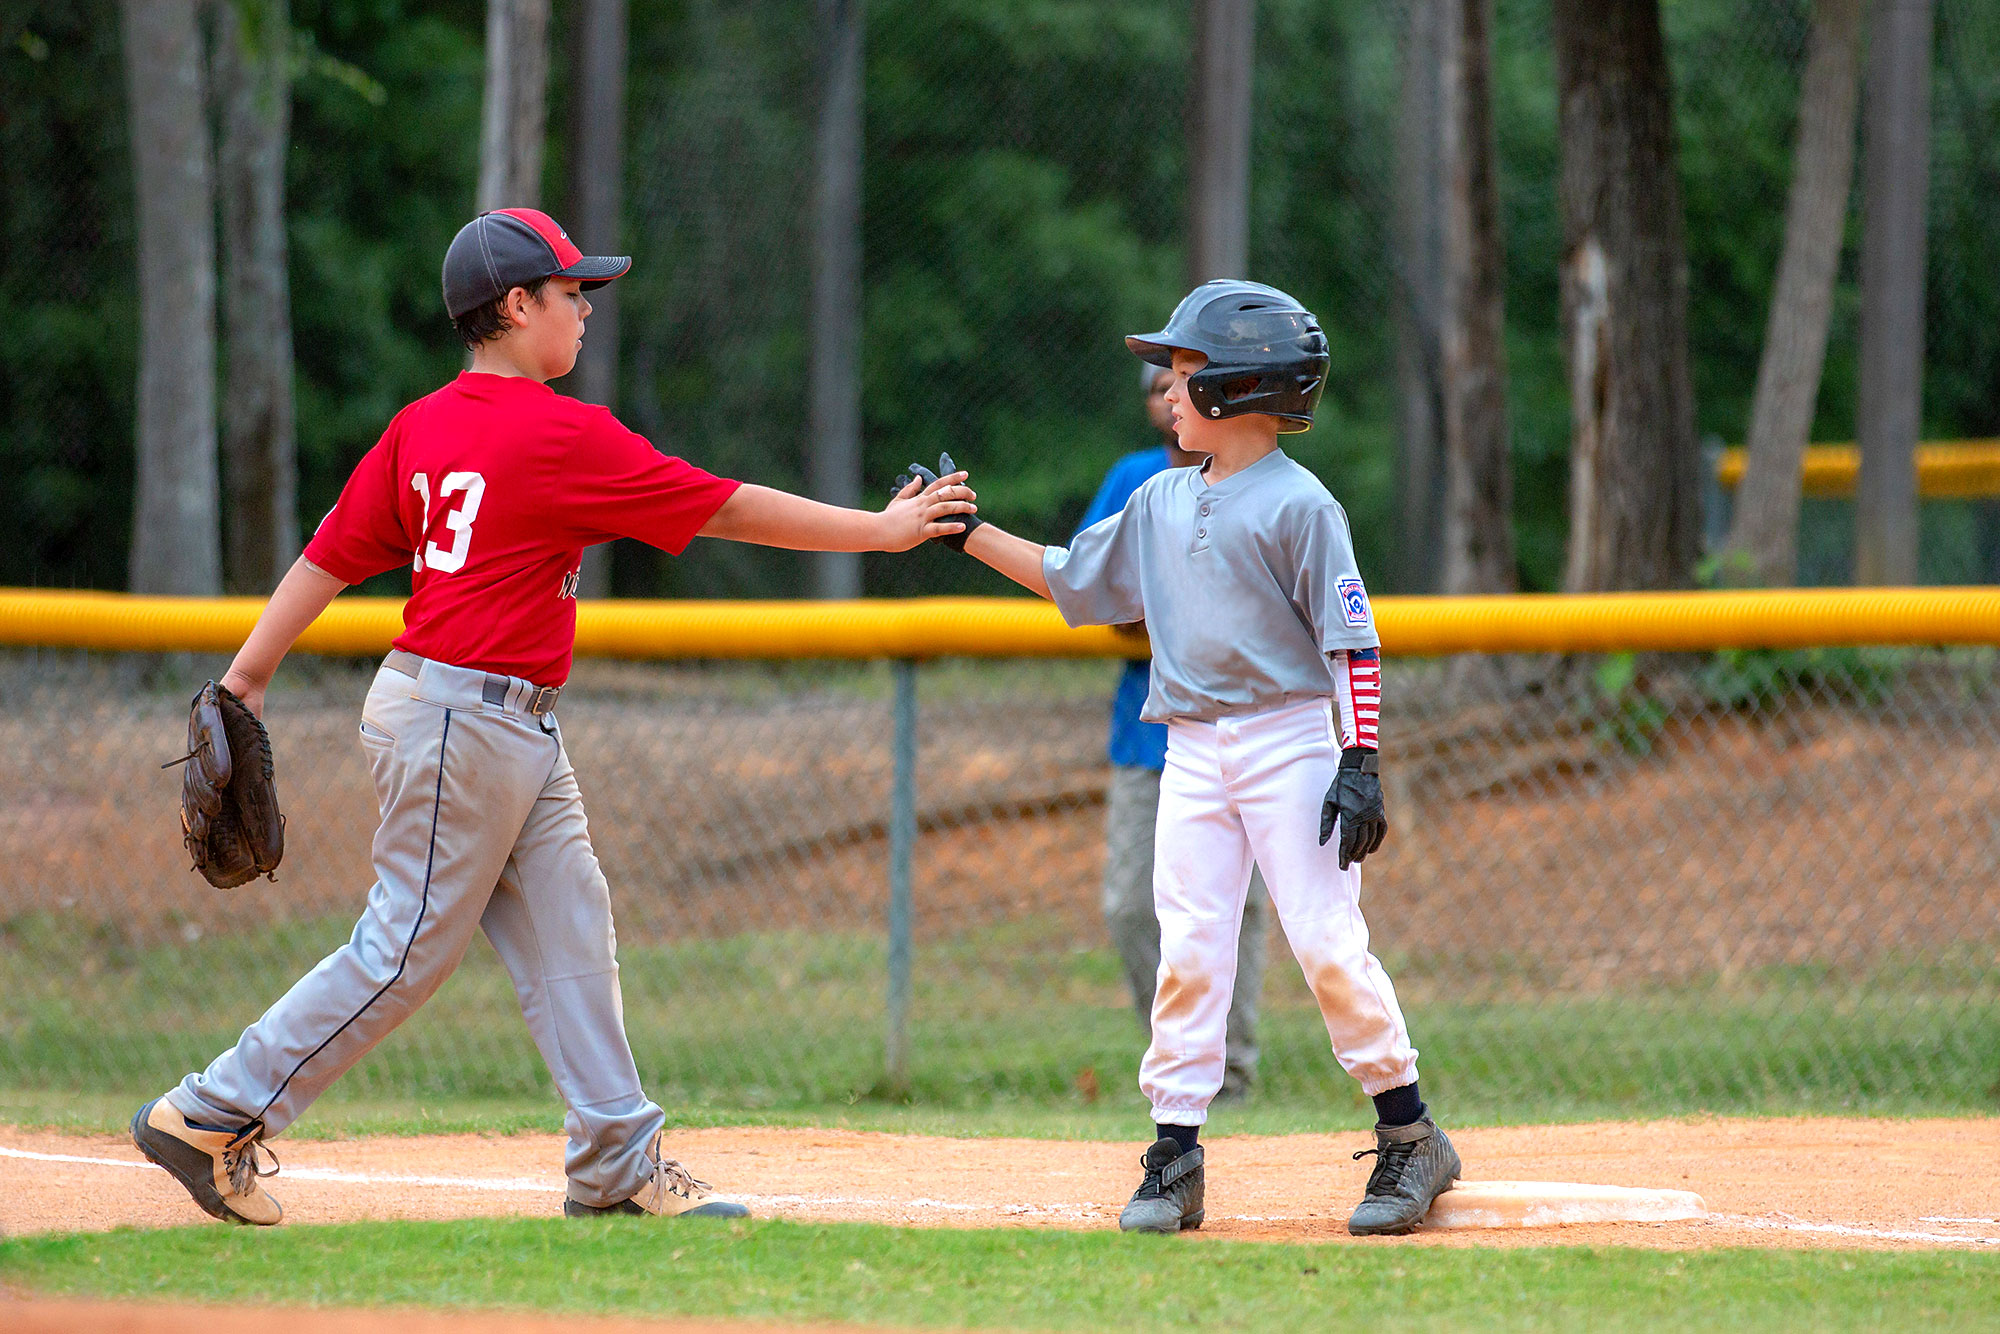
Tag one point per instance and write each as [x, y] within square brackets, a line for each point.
[1009, 1278]
[1012, 1027]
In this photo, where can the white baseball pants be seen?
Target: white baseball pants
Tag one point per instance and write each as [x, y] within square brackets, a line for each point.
[482, 827]
[1236, 791]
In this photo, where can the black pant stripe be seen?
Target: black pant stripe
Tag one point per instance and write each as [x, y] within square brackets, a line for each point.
[423, 908]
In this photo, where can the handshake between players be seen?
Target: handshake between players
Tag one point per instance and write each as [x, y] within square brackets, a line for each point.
[1265, 668]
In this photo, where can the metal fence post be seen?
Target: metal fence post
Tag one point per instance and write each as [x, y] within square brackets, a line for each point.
[902, 849]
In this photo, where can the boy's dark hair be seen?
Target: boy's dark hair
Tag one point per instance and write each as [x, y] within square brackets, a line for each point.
[482, 324]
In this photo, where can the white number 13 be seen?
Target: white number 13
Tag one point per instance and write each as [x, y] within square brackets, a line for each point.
[459, 520]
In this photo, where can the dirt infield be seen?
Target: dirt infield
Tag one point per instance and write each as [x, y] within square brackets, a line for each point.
[1794, 1183]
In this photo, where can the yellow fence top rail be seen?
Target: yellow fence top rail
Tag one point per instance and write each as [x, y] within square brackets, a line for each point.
[1025, 627]
[1946, 469]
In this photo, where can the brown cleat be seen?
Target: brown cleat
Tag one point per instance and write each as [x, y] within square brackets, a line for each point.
[218, 1167]
[671, 1192]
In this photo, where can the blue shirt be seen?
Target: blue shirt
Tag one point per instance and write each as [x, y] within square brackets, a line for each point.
[1141, 744]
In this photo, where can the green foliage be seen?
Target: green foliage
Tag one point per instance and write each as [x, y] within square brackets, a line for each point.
[1023, 207]
[1761, 680]
[1624, 715]
[69, 341]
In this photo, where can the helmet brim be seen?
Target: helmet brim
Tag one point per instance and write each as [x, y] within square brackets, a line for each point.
[1149, 349]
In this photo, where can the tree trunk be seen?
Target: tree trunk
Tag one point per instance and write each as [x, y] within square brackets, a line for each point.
[1763, 543]
[1478, 473]
[1219, 140]
[514, 114]
[1895, 201]
[260, 456]
[596, 203]
[175, 543]
[1419, 310]
[833, 451]
[1635, 492]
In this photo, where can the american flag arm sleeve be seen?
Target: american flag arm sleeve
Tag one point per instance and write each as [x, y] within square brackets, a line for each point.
[1357, 689]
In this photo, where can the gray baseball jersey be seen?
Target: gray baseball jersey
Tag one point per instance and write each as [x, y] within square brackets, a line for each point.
[1244, 586]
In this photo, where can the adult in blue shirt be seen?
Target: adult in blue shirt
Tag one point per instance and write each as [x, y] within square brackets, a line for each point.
[1138, 752]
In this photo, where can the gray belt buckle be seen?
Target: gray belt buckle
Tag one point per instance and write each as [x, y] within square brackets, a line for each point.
[543, 700]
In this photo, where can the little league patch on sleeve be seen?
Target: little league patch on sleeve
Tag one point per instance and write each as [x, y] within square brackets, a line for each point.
[1353, 602]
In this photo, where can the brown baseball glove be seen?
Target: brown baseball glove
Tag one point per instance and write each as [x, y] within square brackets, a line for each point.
[229, 803]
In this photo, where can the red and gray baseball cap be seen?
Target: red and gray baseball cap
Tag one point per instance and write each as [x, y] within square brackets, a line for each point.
[512, 247]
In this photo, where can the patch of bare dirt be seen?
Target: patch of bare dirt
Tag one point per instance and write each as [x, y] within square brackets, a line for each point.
[1798, 1182]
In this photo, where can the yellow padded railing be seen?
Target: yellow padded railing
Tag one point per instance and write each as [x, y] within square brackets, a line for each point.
[1946, 469]
[1026, 627]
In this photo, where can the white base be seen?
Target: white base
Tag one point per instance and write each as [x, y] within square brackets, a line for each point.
[1488, 1204]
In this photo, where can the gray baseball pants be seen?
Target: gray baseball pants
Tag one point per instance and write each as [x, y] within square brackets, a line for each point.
[1132, 805]
[482, 828]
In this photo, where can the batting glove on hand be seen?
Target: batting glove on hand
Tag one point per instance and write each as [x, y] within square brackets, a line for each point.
[1356, 799]
[919, 473]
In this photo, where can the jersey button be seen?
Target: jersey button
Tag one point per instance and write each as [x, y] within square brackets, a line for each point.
[1201, 532]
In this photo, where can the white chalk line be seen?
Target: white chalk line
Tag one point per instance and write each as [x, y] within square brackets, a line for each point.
[535, 1185]
[1848, 1230]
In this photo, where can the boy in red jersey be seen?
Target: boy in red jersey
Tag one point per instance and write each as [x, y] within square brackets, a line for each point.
[490, 488]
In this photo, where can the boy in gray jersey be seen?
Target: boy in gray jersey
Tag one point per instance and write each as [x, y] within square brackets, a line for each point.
[1267, 672]
[1138, 753]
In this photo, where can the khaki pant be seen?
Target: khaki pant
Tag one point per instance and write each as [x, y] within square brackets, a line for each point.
[1131, 808]
[482, 829]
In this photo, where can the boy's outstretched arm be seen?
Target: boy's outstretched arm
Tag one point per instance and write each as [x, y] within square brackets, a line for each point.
[774, 518]
[300, 597]
[1016, 557]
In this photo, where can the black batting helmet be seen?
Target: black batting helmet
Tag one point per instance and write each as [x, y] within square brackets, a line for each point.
[1265, 352]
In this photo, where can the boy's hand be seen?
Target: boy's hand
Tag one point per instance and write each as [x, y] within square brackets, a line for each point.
[250, 692]
[926, 507]
[918, 472]
[1355, 800]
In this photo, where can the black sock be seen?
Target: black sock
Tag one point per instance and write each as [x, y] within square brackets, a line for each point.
[1399, 1107]
[1185, 1136]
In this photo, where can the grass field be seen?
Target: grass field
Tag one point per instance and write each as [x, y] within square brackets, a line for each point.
[1003, 1279]
[1011, 1033]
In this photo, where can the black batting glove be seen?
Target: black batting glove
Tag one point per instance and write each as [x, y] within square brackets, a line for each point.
[919, 473]
[1356, 799]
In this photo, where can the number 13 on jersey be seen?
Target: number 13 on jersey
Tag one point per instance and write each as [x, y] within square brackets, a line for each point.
[459, 519]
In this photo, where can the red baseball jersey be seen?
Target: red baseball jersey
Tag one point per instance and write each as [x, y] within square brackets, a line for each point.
[490, 489]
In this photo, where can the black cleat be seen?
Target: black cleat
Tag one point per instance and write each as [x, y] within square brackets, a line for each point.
[1414, 1164]
[1170, 1198]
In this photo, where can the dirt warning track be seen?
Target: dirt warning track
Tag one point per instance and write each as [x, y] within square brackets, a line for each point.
[1795, 1182]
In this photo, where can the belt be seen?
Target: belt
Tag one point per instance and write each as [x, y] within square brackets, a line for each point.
[540, 699]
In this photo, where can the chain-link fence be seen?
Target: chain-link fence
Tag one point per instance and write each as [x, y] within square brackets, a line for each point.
[1026, 193]
[1025, 175]
[1748, 880]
